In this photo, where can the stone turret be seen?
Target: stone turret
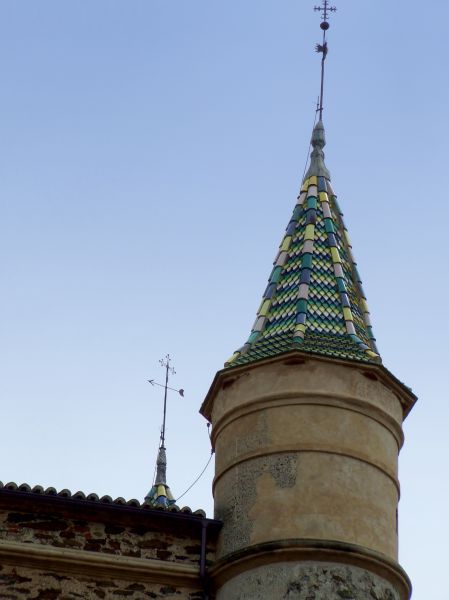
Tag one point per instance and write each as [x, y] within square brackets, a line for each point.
[307, 427]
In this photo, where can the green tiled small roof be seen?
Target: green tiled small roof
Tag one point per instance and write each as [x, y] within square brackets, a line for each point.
[160, 494]
[314, 301]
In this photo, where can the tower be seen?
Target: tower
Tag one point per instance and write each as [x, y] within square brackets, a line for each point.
[307, 424]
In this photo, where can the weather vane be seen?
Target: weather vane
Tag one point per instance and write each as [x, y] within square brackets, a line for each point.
[166, 363]
[325, 9]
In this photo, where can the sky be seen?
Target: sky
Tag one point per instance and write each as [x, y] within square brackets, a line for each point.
[151, 152]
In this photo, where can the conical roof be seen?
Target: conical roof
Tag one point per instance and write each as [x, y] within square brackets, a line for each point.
[160, 494]
[314, 301]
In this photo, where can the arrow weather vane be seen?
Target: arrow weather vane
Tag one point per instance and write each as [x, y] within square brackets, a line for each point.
[166, 363]
[325, 9]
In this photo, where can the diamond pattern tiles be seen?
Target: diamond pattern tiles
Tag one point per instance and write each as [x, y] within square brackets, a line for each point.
[314, 300]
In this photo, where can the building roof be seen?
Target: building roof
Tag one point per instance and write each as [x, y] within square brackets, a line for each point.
[314, 300]
[87, 501]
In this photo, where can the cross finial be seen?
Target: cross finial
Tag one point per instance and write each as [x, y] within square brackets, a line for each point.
[166, 362]
[325, 9]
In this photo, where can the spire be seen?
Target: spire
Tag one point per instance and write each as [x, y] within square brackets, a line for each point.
[318, 141]
[160, 494]
[314, 300]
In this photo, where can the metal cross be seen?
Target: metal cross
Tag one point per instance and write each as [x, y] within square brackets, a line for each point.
[166, 363]
[325, 9]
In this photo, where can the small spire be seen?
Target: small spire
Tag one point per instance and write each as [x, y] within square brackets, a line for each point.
[318, 141]
[161, 463]
[160, 494]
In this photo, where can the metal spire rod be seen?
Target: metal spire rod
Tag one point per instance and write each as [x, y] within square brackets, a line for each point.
[166, 363]
[325, 9]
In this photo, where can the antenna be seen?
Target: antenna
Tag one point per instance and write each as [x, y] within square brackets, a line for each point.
[325, 9]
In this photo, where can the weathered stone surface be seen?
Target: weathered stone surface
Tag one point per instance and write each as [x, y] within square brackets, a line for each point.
[234, 506]
[306, 451]
[96, 537]
[307, 581]
[18, 583]
[66, 550]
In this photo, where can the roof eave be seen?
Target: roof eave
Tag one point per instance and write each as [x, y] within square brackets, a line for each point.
[404, 394]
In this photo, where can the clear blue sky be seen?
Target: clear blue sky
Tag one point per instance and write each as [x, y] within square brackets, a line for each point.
[150, 155]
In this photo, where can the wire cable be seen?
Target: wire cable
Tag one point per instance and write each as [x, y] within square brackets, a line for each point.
[197, 479]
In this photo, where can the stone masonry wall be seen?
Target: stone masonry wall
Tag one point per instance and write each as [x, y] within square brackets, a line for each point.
[68, 549]
[307, 581]
[18, 583]
[138, 541]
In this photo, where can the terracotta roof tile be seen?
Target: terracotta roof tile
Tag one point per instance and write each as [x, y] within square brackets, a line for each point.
[79, 496]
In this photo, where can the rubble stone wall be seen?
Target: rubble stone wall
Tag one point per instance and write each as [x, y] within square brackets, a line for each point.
[78, 533]
[19, 583]
[67, 550]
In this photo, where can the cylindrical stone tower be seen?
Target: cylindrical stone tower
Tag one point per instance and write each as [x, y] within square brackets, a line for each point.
[306, 479]
[307, 427]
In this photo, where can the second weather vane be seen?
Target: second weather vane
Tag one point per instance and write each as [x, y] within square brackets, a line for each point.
[166, 363]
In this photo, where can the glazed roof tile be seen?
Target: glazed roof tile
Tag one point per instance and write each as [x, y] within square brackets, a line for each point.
[314, 300]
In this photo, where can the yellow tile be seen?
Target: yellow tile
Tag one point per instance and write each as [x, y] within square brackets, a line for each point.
[364, 305]
[301, 328]
[264, 308]
[313, 180]
[347, 314]
[335, 255]
[323, 197]
[286, 243]
[371, 353]
[305, 185]
[310, 232]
